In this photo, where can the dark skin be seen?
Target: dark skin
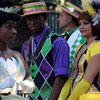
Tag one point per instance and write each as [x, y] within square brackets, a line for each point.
[8, 35]
[36, 24]
[57, 86]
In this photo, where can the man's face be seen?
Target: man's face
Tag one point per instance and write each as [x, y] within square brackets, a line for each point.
[36, 23]
[63, 19]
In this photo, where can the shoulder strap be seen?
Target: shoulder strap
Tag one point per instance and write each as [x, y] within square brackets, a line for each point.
[42, 41]
[80, 49]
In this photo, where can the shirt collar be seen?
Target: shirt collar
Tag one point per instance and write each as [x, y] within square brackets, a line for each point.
[39, 36]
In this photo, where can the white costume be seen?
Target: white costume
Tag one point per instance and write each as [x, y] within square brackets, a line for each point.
[12, 74]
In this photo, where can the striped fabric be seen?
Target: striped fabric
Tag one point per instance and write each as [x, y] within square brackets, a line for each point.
[34, 8]
[71, 9]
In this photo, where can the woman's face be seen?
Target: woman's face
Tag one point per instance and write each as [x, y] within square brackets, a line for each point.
[8, 32]
[85, 28]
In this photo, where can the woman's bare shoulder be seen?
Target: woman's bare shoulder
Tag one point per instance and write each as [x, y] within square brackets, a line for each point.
[13, 52]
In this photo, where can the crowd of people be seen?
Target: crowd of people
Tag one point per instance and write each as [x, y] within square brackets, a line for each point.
[51, 66]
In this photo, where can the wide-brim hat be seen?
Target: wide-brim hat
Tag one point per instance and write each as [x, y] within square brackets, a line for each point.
[71, 9]
[34, 8]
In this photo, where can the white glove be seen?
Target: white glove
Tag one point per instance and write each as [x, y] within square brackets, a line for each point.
[28, 85]
[7, 83]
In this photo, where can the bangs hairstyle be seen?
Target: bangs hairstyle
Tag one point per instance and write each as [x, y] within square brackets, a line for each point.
[96, 28]
[85, 16]
[8, 16]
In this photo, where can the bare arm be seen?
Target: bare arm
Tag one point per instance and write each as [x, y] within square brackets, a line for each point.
[57, 86]
[83, 86]
[27, 73]
[92, 69]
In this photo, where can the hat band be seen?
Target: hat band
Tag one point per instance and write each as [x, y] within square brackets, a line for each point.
[34, 9]
[71, 9]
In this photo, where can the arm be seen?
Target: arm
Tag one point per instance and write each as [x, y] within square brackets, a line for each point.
[57, 86]
[93, 68]
[90, 73]
[66, 89]
[27, 84]
[61, 65]
[27, 73]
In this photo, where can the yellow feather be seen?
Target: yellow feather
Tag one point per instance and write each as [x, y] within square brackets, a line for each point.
[87, 7]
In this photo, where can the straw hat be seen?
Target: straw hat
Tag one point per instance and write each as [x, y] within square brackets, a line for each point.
[34, 8]
[71, 9]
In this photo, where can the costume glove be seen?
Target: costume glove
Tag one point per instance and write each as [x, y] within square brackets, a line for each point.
[80, 89]
[66, 89]
[28, 85]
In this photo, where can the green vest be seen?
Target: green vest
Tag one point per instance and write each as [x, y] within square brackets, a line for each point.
[41, 70]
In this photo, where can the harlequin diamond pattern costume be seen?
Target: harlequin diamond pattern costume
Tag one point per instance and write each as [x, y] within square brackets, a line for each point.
[42, 68]
[46, 55]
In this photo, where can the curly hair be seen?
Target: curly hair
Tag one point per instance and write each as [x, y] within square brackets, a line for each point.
[8, 16]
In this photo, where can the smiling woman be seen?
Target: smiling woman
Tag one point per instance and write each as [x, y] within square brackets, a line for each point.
[13, 71]
[85, 25]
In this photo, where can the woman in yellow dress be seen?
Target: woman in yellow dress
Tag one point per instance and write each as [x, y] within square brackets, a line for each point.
[87, 59]
[13, 71]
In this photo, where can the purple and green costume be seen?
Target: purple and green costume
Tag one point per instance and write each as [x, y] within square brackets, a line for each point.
[52, 61]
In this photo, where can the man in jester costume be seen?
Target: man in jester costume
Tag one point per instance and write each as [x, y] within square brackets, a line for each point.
[46, 54]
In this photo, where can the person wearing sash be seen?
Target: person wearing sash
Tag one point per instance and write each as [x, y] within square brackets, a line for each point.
[68, 20]
[13, 71]
[46, 53]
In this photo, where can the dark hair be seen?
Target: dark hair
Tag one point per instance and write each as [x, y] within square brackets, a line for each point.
[8, 16]
[96, 28]
[74, 19]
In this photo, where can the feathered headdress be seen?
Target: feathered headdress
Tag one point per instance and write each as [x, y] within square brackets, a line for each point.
[93, 8]
[96, 17]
